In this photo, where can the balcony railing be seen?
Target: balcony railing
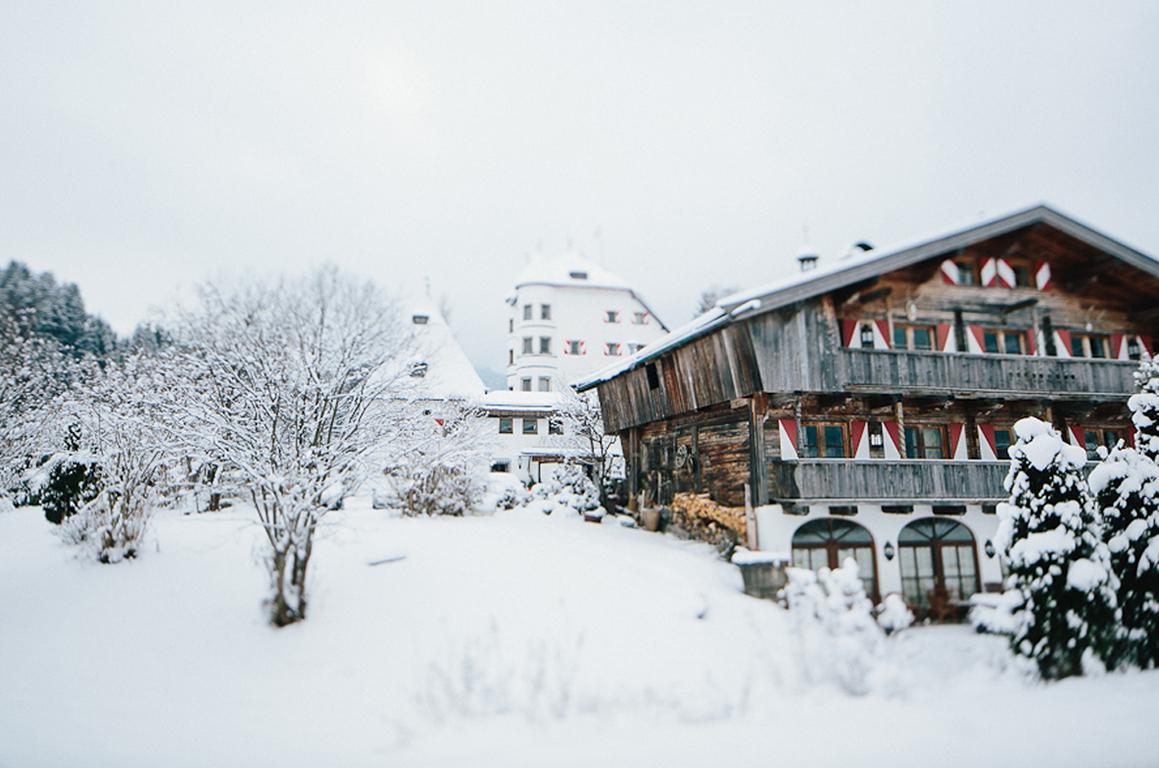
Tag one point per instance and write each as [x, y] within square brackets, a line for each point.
[981, 375]
[930, 480]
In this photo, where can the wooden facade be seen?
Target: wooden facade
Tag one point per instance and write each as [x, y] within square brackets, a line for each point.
[895, 386]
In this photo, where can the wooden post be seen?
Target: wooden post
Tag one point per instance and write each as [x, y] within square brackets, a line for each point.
[750, 519]
[758, 460]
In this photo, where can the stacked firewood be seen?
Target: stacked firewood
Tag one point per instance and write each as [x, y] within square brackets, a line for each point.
[705, 520]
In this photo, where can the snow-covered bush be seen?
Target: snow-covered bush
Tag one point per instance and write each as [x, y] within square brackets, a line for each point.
[511, 497]
[995, 613]
[893, 615]
[569, 488]
[65, 483]
[1059, 568]
[290, 386]
[119, 412]
[443, 470]
[840, 642]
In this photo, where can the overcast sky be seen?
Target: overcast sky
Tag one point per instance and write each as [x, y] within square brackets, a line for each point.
[145, 146]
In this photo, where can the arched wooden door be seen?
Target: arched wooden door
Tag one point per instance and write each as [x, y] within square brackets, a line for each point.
[939, 562]
[827, 542]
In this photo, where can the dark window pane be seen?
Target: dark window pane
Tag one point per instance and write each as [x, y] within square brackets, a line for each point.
[834, 442]
[911, 443]
[922, 339]
[1001, 442]
[1011, 343]
[1092, 443]
[1076, 346]
[1098, 348]
[932, 443]
[809, 446]
[990, 341]
[899, 337]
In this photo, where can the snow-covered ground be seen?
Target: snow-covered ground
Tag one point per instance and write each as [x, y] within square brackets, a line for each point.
[513, 639]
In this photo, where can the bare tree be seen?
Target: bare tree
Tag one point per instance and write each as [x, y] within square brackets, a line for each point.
[710, 296]
[33, 371]
[583, 424]
[119, 413]
[290, 386]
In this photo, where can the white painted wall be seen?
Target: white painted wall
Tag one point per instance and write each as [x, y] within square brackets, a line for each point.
[775, 534]
[577, 312]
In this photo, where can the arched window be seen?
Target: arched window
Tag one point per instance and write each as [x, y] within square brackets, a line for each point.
[939, 563]
[827, 542]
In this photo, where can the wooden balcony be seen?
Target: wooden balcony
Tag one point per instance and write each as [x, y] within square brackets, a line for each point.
[927, 481]
[971, 375]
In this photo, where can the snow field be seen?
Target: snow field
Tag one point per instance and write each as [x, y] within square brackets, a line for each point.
[513, 639]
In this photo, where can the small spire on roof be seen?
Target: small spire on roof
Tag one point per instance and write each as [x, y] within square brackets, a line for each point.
[807, 257]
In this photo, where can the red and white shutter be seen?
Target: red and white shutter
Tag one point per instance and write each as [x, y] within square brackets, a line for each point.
[860, 435]
[986, 448]
[946, 340]
[1062, 343]
[1075, 435]
[974, 341]
[989, 272]
[1119, 346]
[849, 333]
[1145, 343]
[951, 273]
[1032, 342]
[1005, 274]
[881, 334]
[997, 272]
[583, 347]
[788, 433]
[958, 442]
[1042, 276]
[891, 439]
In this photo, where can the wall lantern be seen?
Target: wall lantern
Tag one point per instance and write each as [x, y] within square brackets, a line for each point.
[989, 548]
[888, 550]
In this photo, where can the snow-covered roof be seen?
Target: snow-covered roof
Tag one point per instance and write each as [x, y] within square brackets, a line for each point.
[569, 269]
[869, 264]
[508, 400]
[575, 270]
[446, 372]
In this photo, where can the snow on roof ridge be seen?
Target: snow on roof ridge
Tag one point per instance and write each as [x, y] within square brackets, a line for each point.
[742, 303]
[561, 269]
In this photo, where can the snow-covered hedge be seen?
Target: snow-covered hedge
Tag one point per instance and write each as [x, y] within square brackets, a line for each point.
[840, 642]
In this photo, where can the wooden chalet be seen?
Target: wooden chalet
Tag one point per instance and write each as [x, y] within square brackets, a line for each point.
[868, 404]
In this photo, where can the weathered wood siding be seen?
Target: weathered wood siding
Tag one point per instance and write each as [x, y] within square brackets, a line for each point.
[846, 479]
[712, 370]
[708, 453]
[964, 375]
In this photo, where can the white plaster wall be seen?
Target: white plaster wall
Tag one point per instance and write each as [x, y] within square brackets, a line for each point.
[775, 534]
[576, 313]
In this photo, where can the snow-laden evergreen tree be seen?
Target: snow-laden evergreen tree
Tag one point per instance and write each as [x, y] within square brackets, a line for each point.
[1126, 485]
[1059, 568]
[1144, 407]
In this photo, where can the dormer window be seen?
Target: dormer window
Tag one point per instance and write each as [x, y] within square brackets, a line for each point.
[612, 349]
[612, 316]
[578, 275]
[419, 369]
[420, 319]
[640, 318]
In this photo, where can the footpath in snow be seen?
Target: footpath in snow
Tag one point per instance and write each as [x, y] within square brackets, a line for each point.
[512, 639]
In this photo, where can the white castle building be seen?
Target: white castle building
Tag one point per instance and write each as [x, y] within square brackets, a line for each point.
[569, 317]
